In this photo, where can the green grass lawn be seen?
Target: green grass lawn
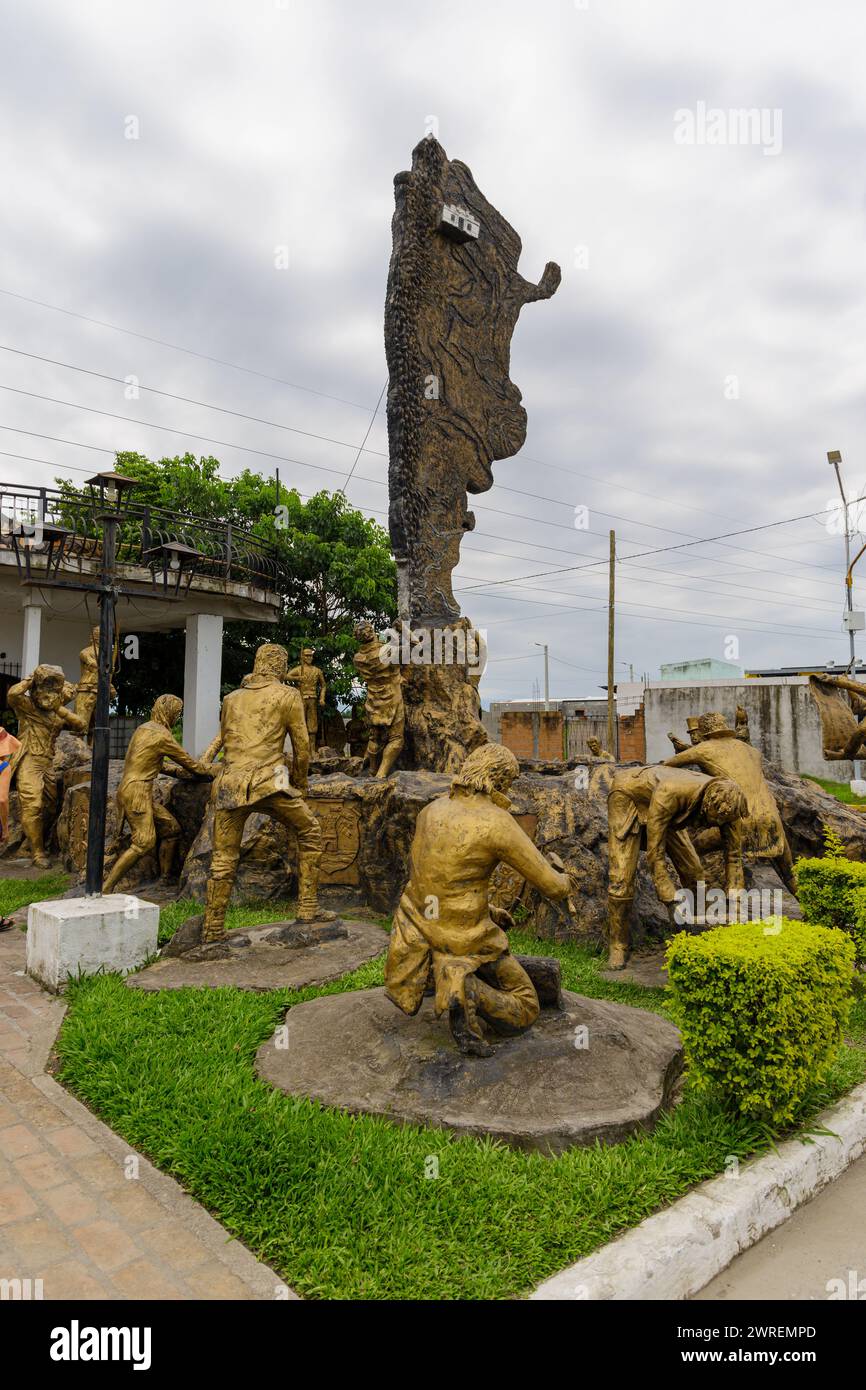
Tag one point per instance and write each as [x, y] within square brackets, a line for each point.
[340, 1205]
[17, 892]
[840, 790]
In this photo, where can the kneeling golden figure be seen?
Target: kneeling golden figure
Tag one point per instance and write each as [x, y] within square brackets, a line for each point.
[444, 925]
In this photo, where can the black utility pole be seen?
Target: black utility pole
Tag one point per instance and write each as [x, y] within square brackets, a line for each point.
[99, 767]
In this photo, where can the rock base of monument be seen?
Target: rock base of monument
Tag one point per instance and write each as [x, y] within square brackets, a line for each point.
[592, 1070]
[68, 937]
[279, 955]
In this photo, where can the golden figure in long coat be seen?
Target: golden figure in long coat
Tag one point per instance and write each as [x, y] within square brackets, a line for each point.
[38, 701]
[253, 776]
[445, 925]
[383, 707]
[152, 746]
[654, 807]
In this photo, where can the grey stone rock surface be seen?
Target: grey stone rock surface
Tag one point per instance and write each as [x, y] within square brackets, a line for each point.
[263, 965]
[542, 1091]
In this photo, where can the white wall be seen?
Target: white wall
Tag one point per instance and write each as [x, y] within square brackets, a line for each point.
[783, 720]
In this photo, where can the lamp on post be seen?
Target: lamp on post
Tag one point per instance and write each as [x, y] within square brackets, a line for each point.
[110, 494]
[169, 562]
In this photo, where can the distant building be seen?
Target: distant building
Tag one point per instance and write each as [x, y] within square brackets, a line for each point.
[705, 668]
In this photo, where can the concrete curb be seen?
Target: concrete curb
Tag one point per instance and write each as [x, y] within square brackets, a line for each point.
[674, 1254]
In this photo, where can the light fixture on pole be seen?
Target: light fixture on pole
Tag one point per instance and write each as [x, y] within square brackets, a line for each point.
[852, 621]
[172, 560]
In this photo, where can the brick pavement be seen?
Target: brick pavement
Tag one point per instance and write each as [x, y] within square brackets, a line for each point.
[79, 1209]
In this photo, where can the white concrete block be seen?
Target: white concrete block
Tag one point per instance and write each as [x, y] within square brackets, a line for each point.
[83, 936]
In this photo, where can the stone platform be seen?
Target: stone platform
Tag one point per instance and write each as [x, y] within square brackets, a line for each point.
[264, 965]
[592, 1070]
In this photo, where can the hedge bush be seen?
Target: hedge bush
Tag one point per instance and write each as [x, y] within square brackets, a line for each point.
[761, 1008]
[832, 893]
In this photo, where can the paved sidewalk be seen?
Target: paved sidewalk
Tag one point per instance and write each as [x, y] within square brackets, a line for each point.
[79, 1209]
[820, 1250]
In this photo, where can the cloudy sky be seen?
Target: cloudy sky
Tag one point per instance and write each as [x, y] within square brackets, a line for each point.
[705, 349]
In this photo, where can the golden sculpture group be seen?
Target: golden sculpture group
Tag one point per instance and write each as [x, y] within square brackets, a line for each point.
[448, 938]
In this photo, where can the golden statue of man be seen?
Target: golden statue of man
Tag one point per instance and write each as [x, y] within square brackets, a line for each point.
[723, 752]
[595, 748]
[253, 776]
[85, 693]
[310, 681]
[383, 707]
[9, 746]
[38, 702]
[445, 924]
[654, 807]
[152, 746]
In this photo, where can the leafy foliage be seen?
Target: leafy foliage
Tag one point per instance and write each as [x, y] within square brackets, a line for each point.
[336, 568]
[761, 1010]
[832, 892]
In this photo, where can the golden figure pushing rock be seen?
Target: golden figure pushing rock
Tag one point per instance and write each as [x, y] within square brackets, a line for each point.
[383, 707]
[445, 929]
[254, 776]
[38, 702]
[150, 824]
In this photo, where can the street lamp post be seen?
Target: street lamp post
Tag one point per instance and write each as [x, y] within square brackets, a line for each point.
[543, 645]
[169, 563]
[853, 622]
[111, 492]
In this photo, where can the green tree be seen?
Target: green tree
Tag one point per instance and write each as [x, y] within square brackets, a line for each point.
[335, 568]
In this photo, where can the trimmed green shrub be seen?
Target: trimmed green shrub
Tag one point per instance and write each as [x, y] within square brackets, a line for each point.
[832, 893]
[761, 1007]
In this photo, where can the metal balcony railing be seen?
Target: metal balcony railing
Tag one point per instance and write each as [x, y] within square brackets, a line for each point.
[230, 552]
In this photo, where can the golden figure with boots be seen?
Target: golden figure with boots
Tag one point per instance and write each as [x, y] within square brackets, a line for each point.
[38, 702]
[654, 808]
[723, 752]
[253, 776]
[311, 683]
[85, 691]
[150, 824]
[445, 928]
[383, 707]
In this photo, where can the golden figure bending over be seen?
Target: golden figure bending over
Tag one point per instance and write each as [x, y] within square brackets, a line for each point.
[311, 683]
[654, 807]
[723, 752]
[85, 691]
[254, 776]
[445, 926]
[150, 824]
[38, 701]
[383, 707]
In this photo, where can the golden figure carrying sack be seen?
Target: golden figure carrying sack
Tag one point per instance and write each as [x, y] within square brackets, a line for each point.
[38, 702]
[444, 923]
[654, 807]
[723, 752]
[253, 776]
[151, 746]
